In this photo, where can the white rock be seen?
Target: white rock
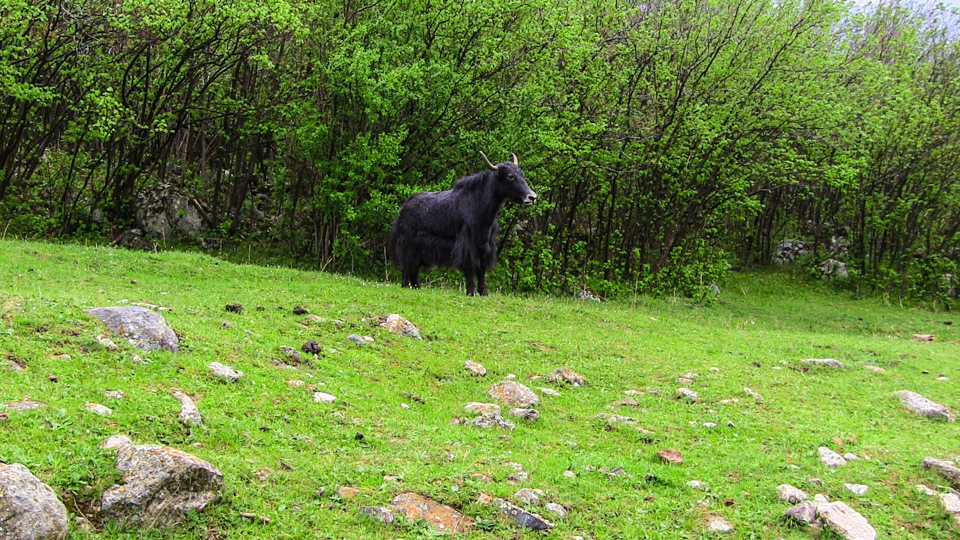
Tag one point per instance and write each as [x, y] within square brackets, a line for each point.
[828, 362]
[323, 397]
[482, 408]
[850, 457]
[846, 521]
[113, 394]
[710, 424]
[924, 490]
[790, 494]
[857, 489]
[925, 407]
[752, 394]
[950, 502]
[97, 408]
[720, 525]
[529, 496]
[549, 392]
[556, 510]
[830, 458]
[688, 394]
[569, 474]
[475, 368]
[696, 484]
[224, 371]
[189, 413]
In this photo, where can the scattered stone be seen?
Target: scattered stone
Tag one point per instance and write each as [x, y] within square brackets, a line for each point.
[556, 509]
[923, 337]
[16, 364]
[360, 340]
[549, 392]
[626, 402]
[685, 381]
[688, 394]
[189, 413]
[720, 525]
[950, 502]
[526, 519]
[530, 415]
[815, 482]
[225, 372]
[142, 327]
[857, 489]
[925, 407]
[671, 456]
[161, 485]
[25, 405]
[440, 517]
[310, 347]
[805, 512]
[379, 513]
[850, 457]
[29, 509]
[696, 484]
[752, 394]
[482, 408]
[296, 383]
[569, 474]
[97, 408]
[709, 425]
[830, 458]
[255, 517]
[834, 268]
[398, 325]
[513, 393]
[946, 468]
[731, 401]
[846, 521]
[790, 494]
[714, 370]
[226, 324]
[567, 376]
[475, 368]
[136, 359]
[876, 369]
[107, 343]
[529, 496]
[924, 490]
[323, 397]
[348, 492]
[113, 394]
[827, 362]
[294, 354]
[493, 420]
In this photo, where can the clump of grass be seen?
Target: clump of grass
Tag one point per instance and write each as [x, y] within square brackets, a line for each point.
[397, 423]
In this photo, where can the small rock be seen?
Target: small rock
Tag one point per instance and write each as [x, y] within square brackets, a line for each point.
[720, 525]
[753, 394]
[685, 381]
[924, 490]
[360, 340]
[224, 372]
[113, 394]
[815, 482]
[348, 492]
[566, 375]
[379, 513]
[493, 420]
[857, 489]
[294, 354]
[626, 402]
[526, 519]
[830, 458]
[323, 397]
[310, 347]
[846, 521]
[790, 494]
[876, 369]
[106, 343]
[616, 418]
[25, 405]
[671, 456]
[709, 425]
[29, 509]
[827, 362]
[530, 415]
[142, 327]
[688, 394]
[549, 392]
[529, 496]
[482, 408]
[950, 502]
[569, 474]
[475, 368]
[925, 407]
[946, 468]
[714, 370]
[99, 409]
[805, 512]
[440, 517]
[696, 484]
[226, 324]
[850, 457]
[922, 337]
[398, 325]
[556, 509]
[315, 319]
[513, 393]
[189, 413]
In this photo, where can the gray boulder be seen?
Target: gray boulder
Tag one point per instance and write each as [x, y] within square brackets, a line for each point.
[925, 407]
[29, 509]
[846, 521]
[142, 327]
[160, 485]
[164, 212]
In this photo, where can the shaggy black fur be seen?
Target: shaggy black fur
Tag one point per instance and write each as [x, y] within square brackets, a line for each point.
[457, 228]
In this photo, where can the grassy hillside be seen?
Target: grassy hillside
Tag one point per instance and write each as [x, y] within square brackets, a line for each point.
[284, 456]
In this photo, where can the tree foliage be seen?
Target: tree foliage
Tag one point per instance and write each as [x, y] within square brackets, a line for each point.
[667, 138]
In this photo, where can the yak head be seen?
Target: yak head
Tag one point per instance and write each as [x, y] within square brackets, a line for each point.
[511, 182]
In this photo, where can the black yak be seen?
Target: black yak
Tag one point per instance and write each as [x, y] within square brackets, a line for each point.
[457, 228]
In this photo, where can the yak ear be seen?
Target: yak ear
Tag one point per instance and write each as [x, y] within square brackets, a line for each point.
[491, 165]
[515, 161]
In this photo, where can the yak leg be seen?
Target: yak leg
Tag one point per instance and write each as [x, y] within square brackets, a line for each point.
[482, 283]
[411, 277]
[471, 286]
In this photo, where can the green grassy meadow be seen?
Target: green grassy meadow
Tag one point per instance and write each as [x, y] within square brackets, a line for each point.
[283, 456]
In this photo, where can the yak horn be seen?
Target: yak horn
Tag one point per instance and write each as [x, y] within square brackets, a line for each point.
[491, 165]
[515, 161]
